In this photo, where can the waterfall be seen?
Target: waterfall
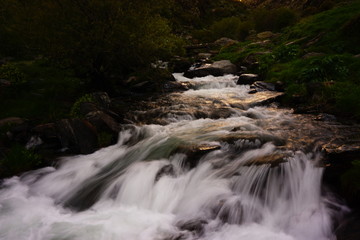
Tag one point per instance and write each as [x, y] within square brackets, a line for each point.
[218, 167]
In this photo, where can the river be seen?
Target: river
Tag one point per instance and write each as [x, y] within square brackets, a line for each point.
[214, 162]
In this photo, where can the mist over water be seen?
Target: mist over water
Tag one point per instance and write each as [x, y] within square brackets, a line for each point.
[162, 182]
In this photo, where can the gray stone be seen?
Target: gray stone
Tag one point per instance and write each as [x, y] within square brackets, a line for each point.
[218, 68]
[247, 78]
[225, 41]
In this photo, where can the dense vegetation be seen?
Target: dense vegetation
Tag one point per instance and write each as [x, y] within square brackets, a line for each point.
[316, 59]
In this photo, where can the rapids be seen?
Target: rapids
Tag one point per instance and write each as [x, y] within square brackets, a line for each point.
[258, 178]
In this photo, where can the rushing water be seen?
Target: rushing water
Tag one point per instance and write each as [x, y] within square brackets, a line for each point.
[217, 167]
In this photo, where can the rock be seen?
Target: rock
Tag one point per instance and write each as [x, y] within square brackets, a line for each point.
[180, 65]
[225, 66]
[225, 42]
[218, 68]
[263, 86]
[47, 132]
[102, 99]
[266, 35]
[76, 135]
[195, 152]
[10, 121]
[167, 170]
[87, 107]
[103, 122]
[176, 86]
[204, 55]
[312, 54]
[196, 226]
[247, 78]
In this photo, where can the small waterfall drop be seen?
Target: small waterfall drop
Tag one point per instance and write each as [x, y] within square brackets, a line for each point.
[218, 167]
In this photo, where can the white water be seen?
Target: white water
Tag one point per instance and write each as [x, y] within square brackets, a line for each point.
[117, 193]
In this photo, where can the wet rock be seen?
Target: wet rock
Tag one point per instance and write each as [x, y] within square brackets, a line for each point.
[103, 122]
[77, 136]
[231, 213]
[325, 117]
[195, 152]
[263, 86]
[176, 86]
[247, 78]
[204, 55]
[273, 159]
[218, 68]
[180, 65]
[196, 226]
[167, 170]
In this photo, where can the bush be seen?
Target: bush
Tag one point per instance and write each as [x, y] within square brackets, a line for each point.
[18, 160]
[230, 27]
[273, 20]
[12, 73]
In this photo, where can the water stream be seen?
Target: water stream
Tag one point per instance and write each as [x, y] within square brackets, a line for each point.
[209, 164]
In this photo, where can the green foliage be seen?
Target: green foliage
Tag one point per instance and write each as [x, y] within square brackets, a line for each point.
[273, 20]
[347, 98]
[350, 180]
[230, 27]
[48, 94]
[75, 109]
[12, 73]
[326, 68]
[334, 31]
[18, 160]
[97, 39]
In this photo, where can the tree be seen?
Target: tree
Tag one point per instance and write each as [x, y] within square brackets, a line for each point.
[98, 38]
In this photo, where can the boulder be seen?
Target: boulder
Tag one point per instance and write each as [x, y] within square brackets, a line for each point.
[266, 35]
[204, 55]
[11, 121]
[103, 122]
[218, 68]
[247, 78]
[225, 42]
[77, 135]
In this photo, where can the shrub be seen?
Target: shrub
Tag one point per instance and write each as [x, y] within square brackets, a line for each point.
[230, 27]
[12, 73]
[18, 160]
[273, 20]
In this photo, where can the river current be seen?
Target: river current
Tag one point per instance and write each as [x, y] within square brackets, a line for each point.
[214, 163]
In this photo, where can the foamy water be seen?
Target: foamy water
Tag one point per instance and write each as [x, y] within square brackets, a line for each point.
[143, 188]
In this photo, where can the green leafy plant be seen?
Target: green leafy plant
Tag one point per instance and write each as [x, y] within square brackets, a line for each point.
[326, 68]
[18, 160]
[12, 73]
